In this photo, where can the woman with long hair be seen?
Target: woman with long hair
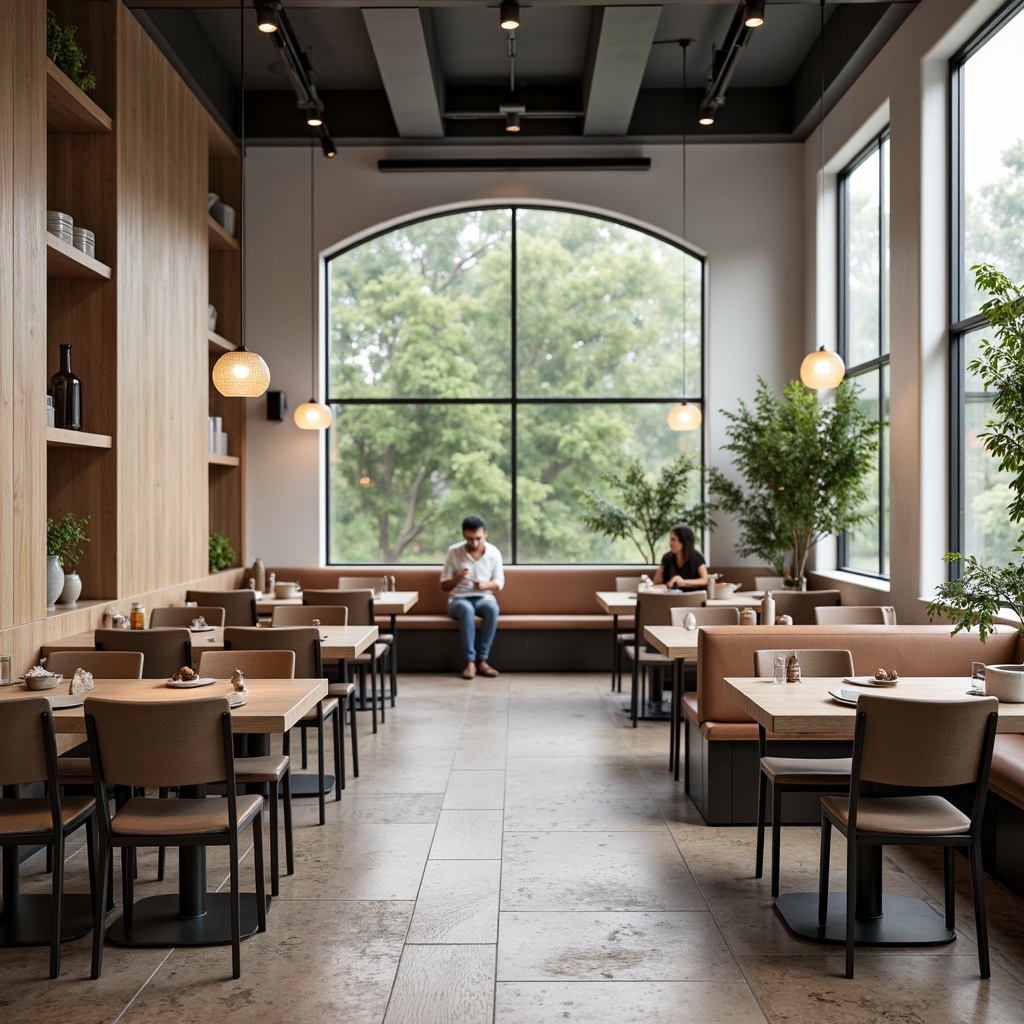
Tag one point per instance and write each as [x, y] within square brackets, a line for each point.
[683, 566]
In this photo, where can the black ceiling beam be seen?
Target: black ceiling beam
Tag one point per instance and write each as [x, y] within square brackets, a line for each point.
[356, 114]
[754, 113]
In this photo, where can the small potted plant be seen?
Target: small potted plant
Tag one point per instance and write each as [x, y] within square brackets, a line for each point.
[66, 539]
[222, 554]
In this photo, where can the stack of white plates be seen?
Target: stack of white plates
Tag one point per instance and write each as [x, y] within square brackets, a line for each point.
[62, 225]
[85, 240]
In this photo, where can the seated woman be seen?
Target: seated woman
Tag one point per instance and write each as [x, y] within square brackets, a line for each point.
[683, 566]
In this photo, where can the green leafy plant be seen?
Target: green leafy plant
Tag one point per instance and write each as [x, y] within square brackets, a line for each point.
[644, 509]
[981, 592]
[222, 554]
[66, 537]
[805, 464]
[65, 52]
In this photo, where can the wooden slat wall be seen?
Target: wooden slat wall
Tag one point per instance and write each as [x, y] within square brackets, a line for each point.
[161, 436]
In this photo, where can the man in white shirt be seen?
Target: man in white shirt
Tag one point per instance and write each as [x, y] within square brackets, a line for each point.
[471, 575]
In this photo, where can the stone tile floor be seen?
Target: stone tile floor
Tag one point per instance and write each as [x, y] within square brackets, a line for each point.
[515, 853]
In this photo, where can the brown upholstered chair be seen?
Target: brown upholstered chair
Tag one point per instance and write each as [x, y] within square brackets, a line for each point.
[795, 774]
[182, 615]
[915, 746]
[706, 616]
[304, 614]
[271, 770]
[102, 664]
[163, 744]
[239, 605]
[800, 604]
[164, 650]
[28, 753]
[855, 615]
[627, 637]
[304, 642]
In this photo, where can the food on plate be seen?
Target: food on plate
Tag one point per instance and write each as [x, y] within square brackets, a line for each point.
[184, 674]
[37, 672]
[884, 675]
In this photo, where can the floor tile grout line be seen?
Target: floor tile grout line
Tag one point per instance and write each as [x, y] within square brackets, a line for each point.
[143, 986]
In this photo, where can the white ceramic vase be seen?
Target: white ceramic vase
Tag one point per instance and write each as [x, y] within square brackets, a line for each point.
[54, 579]
[72, 588]
[1005, 682]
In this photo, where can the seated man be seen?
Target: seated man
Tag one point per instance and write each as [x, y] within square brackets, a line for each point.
[472, 572]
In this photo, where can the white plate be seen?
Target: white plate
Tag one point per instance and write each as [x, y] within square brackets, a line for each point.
[237, 702]
[188, 684]
[848, 698]
[869, 681]
[65, 700]
[200, 629]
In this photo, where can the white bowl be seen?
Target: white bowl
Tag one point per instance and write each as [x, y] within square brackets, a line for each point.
[286, 589]
[1006, 682]
[723, 591]
[42, 682]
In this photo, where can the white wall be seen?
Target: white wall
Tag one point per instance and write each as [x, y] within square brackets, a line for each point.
[745, 211]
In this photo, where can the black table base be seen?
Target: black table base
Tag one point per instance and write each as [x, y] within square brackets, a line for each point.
[309, 785]
[29, 925]
[905, 921]
[652, 710]
[157, 923]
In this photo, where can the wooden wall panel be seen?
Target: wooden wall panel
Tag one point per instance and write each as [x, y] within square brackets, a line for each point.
[161, 438]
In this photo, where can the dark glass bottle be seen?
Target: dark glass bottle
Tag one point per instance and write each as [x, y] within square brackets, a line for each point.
[66, 391]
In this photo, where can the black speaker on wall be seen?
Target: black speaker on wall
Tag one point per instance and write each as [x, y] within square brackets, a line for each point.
[277, 403]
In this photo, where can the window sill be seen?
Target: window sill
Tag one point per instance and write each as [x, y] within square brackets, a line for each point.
[853, 579]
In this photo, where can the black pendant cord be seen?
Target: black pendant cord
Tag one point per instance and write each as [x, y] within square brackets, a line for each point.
[313, 305]
[685, 44]
[821, 128]
[241, 232]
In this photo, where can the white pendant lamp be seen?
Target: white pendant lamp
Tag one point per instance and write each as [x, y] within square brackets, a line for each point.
[241, 373]
[684, 416]
[313, 415]
[822, 369]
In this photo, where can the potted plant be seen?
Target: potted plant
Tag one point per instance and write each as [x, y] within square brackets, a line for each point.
[644, 509]
[983, 591]
[64, 51]
[66, 539]
[222, 554]
[805, 465]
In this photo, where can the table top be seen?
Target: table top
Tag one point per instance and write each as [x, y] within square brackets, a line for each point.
[273, 705]
[337, 643]
[807, 707]
[394, 602]
[673, 641]
[623, 602]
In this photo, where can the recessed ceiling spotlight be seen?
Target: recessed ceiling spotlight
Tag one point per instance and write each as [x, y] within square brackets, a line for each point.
[509, 16]
[513, 122]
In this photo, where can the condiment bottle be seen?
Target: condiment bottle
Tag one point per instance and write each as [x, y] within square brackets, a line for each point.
[259, 574]
[271, 583]
[393, 587]
[792, 669]
[768, 609]
[138, 615]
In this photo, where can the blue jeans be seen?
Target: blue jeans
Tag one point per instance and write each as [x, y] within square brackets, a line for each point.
[465, 609]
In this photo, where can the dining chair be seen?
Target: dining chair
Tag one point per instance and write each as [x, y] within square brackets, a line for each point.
[164, 651]
[627, 636]
[28, 754]
[919, 750]
[359, 582]
[304, 642]
[795, 774]
[270, 770]
[627, 584]
[101, 664]
[360, 613]
[800, 604]
[162, 744]
[183, 615]
[304, 614]
[772, 583]
[855, 615]
[705, 616]
[239, 605]
[623, 634]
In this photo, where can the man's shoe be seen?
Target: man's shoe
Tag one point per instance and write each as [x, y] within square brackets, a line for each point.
[486, 670]
[469, 671]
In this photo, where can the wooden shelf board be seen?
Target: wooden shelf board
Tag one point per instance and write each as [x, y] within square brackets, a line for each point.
[221, 146]
[56, 437]
[68, 109]
[220, 240]
[219, 345]
[223, 460]
[65, 261]
[68, 609]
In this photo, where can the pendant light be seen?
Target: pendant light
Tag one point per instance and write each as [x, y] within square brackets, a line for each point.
[313, 415]
[241, 373]
[822, 369]
[684, 416]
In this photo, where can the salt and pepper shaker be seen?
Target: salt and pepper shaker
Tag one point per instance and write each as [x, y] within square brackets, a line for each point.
[271, 583]
[238, 681]
[690, 622]
[393, 587]
[792, 669]
[768, 609]
[748, 617]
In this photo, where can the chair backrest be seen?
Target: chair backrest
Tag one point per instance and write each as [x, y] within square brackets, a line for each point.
[772, 583]
[304, 614]
[800, 604]
[303, 640]
[183, 615]
[252, 664]
[901, 741]
[707, 616]
[102, 664]
[627, 584]
[239, 605]
[813, 662]
[359, 582]
[655, 608]
[23, 725]
[158, 743]
[358, 602]
[164, 650]
[855, 615]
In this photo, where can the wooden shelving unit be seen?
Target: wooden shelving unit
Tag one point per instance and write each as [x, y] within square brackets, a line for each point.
[219, 345]
[67, 262]
[223, 460]
[68, 109]
[220, 240]
[59, 438]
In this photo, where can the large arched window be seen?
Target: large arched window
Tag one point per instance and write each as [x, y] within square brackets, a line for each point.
[494, 361]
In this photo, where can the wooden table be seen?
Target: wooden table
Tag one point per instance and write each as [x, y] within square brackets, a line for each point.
[192, 917]
[882, 919]
[679, 644]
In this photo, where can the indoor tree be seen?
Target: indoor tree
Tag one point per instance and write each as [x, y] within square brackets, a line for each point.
[805, 464]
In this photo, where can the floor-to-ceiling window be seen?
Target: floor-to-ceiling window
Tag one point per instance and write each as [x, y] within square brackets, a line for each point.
[864, 334]
[988, 227]
[496, 361]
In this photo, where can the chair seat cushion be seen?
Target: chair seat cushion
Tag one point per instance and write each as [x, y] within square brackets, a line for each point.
[330, 705]
[268, 768]
[144, 816]
[32, 815]
[807, 771]
[340, 689]
[904, 815]
[1007, 775]
[646, 657]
